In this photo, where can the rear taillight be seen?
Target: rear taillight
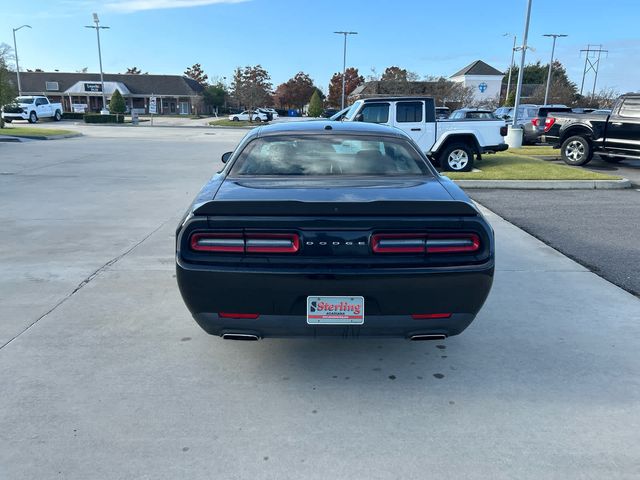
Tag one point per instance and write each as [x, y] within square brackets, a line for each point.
[503, 131]
[244, 316]
[217, 242]
[245, 243]
[548, 123]
[446, 243]
[535, 122]
[430, 316]
[398, 243]
[425, 243]
[272, 242]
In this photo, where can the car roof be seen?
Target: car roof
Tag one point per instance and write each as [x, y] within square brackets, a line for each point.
[327, 127]
[394, 99]
[469, 109]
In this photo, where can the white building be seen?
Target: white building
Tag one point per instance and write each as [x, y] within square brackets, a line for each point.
[485, 80]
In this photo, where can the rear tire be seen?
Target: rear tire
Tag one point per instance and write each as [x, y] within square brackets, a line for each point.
[576, 151]
[457, 157]
[33, 118]
[57, 116]
[8, 120]
[235, 119]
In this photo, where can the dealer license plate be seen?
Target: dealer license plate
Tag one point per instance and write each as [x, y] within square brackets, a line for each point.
[335, 310]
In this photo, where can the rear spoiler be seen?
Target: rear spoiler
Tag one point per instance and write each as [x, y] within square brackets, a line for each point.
[298, 208]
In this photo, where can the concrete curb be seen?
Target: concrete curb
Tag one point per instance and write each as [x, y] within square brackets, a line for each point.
[16, 138]
[546, 184]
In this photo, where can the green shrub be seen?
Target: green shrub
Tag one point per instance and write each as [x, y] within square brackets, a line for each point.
[98, 118]
[117, 104]
[73, 115]
[315, 105]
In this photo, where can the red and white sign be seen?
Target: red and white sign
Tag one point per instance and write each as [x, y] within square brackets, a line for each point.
[335, 310]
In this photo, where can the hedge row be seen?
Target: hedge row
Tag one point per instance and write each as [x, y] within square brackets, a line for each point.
[98, 118]
[73, 115]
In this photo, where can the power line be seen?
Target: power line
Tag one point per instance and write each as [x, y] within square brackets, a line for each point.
[592, 64]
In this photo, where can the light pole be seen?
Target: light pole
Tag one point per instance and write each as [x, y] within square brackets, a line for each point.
[15, 49]
[553, 48]
[513, 52]
[524, 47]
[98, 27]
[344, 61]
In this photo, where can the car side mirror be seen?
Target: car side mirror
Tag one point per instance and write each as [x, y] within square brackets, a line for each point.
[226, 156]
[359, 117]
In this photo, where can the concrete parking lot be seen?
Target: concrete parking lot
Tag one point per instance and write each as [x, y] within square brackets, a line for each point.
[105, 375]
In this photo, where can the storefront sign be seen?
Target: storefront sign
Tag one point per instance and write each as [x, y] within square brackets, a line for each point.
[92, 87]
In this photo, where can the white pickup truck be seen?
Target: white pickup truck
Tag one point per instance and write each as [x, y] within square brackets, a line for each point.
[32, 109]
[451, 143]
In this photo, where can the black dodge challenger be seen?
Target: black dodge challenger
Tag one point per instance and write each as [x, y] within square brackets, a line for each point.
[332, 229]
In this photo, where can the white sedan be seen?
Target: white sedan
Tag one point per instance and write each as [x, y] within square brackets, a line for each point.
[255, 116]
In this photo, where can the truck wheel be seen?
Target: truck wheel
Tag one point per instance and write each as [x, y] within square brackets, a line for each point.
[8, 120]
[58, 116]
[576, 151]
[33, 118]
[457, 158]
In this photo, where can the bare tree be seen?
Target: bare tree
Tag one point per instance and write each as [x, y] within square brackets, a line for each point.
[8, 90]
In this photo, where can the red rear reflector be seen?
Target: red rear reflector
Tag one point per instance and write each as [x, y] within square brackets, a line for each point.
[453, 243]
[272, 242]
[217, 242]
[427, 316]
[239, 315]
[535, 122]
[548, 123]
[398, 243]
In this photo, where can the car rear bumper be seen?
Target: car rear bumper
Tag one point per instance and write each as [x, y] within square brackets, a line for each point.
[284, 326]
[279, 297]
[501, 147]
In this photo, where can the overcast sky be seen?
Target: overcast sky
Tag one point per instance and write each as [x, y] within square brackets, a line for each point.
[429, 37]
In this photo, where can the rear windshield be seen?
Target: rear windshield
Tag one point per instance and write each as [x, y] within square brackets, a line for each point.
[24, 100]
[323, 155]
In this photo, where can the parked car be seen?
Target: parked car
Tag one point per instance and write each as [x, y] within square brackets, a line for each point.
[502, 112]
[442, 113]
[255, 115]
[329, 112]
[472, 114]
[582, 110]
[339, 229]
[614, 137]
[450, 143]
[32, 108]
[339, 115]
[533, 131]
[270, 112]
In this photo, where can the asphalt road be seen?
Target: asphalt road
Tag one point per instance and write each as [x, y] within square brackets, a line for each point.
[104, 374]
[597, 228]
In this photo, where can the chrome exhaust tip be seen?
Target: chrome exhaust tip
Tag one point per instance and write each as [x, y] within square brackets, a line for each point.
[247, 337]
[420, 337]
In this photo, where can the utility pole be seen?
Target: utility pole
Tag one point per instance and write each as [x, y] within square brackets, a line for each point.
[513, 52]
[521, 71]
[592, 64]
[553, 48]
[15, 50]
[344, 61]
[98, 27]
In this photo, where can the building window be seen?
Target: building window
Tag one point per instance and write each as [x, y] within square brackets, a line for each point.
[52, 86]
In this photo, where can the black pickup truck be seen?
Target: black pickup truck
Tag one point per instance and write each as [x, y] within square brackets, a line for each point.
[614, 137]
